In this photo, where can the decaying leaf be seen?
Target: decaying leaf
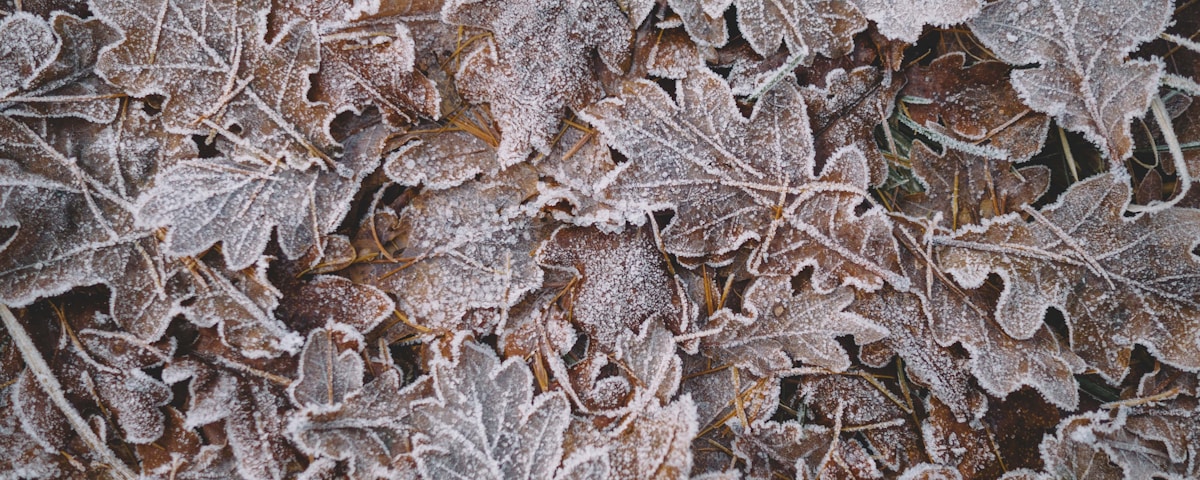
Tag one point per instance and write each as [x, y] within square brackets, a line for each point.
[1084, 81]
[1119, 281]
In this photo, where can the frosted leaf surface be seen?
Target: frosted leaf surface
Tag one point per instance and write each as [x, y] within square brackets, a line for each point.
[656, 444]
[731, 180]
[367, 425]
[977, 104]
[537, 63]
[237, 199]
[846, 112]
[442, 158]
[964, 451]
[808, 27]
[470, 247]
[771, 447]
[72, 209]
[966, 188]
[326, 298]
[485, 421]
[851, 401]
[904, 19]
[780, 327]
[367, 54]
[179, 454]
[328, 373]
[47, 68]
[1066, 454]
[622, 280]
[212, 62]
[21, 456]
[926, 362]
[704, 20]
[1084, 79]
[1118, 281]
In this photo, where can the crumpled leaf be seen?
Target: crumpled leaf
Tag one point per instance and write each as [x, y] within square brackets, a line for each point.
[622, 280]
[212, 62]
[731, 180]
[237, 200]
[46, 69]
[1118, 281]
[485, 421]
[780, 327]
[808, 27]
[904, 19]
[1084, 80]
[457, 259]
[536, 63]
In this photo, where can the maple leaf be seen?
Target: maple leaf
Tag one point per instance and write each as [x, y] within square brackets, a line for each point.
[47, 68]
[1118, 281]
[1084, 80]
[485, 420]
[458, 258]
[904, 19]
[237, 200]
[731, 180]
[212, 63]
[528, 80]
[808, 27]
[780, 327]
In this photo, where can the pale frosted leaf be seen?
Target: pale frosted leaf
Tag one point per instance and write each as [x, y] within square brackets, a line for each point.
[441, 159]
[704, 20]
[770, 448]
[241, 303]
[21, 456]
[27, 46]
[852, 401]
[486, 422]
[656, 445]
[239, 199]
[929, 471]
[211, 61]
[780, 327]
[904, 19]
[1084, 79]
[370, 429]
[464, 248]
[731, 180]
[327, 373]
[622, 280]
[1119, 281]
[1071, 453]
[808, 27]
[537, 63]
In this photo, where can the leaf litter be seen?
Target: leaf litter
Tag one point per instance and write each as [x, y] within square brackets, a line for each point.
[598, 239]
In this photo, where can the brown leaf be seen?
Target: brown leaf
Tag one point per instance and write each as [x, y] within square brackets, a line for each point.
[1084, 81]
[808, 27]
[846, 112]
[1119, 281]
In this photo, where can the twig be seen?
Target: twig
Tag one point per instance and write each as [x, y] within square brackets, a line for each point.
[45, 378]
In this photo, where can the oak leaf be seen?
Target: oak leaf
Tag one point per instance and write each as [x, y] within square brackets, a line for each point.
[808, 27]
[1084, 80]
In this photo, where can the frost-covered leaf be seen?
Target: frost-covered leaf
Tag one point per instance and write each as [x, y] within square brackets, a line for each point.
[704, 20]
[808, 27]
[239, 199]
[1119, 281]
[440, 157]
[844, 401]
[771, 448]
[240, 303]
[180, 454]
[964, 451]
[537, 63]
[976, 104]
[21, 455]
[485, 421]
[780, 327]
[656, 445]
[966, 188]
[367, 54]
[212, 62]
[46, 68]
[846, 112]
[1084, 79]
[622, 280]
[1071, 453]
[731, 180]
[340, 418]
[904, 19]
